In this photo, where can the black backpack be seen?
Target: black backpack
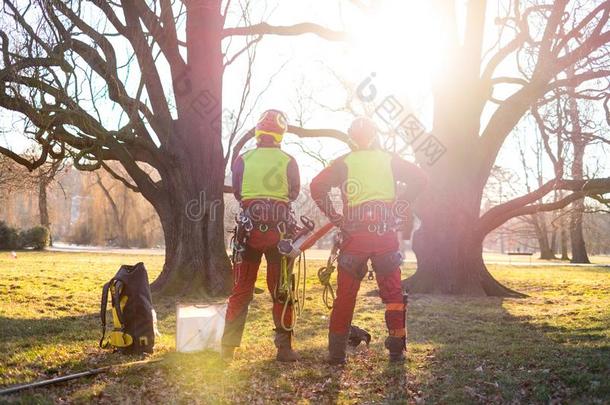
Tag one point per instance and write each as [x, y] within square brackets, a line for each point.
[133, 315]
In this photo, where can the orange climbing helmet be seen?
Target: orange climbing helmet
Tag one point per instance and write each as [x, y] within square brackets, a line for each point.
[362, 133]
[272, 123]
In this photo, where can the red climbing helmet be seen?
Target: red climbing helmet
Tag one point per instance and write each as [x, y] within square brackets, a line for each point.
[272, 123]
[362, 133]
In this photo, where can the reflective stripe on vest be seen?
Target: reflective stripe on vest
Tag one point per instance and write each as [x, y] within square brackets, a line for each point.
[369, 177]
[265, 174]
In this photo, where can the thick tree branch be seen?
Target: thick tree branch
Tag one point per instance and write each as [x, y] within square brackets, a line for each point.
[289, 30]
[165, 35]
[147, 64]
[244, 49]
[577, 79]
[120, 178]
[318, 133]
[499, 214]
[298, 131]
[550, 33]
[28, 164]
[501, 55]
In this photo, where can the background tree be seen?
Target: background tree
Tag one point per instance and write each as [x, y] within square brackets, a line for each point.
[11, 176]
[548, 38]
[579, 142]
[79, 212]
[45, 176]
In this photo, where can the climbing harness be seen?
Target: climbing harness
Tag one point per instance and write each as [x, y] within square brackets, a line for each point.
[294, 240]
[241, 234]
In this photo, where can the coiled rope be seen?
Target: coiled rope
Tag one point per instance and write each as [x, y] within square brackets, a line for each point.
[291, 286]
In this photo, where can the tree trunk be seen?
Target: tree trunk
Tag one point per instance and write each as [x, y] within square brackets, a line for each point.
[546, 250]
[564, 240]
[116, 215]
[195, 258]
[451, 265]
[191, 208]
[579, 249]
[43, 207]
[448, 248]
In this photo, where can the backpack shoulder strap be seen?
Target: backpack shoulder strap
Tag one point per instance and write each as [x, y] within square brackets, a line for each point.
[119, 288]
[103, 308]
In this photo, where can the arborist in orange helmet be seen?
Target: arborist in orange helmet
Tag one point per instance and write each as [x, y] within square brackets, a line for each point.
[265, 182]
[371, 215]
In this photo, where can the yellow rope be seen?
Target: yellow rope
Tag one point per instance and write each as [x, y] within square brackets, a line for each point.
[292, 290]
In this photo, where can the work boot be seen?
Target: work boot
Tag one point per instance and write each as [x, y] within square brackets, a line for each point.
[336, 348]
[226, 353]
[283, 342]
[396, 346]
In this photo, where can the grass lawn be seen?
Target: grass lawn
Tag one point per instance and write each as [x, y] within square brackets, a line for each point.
[551, 347]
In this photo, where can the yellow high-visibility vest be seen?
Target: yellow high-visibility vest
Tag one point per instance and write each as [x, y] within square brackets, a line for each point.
[369, 177]
[265, 174]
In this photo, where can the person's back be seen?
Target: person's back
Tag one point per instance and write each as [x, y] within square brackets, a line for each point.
[367, 177]
[265, 181]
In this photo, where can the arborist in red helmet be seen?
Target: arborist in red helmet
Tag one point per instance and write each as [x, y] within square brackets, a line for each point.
[367, 178]
[265, 182]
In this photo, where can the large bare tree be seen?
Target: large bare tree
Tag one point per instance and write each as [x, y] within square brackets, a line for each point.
[542, 40]
[157, 67]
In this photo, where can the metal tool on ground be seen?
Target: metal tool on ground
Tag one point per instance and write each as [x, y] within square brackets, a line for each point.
[56, 380]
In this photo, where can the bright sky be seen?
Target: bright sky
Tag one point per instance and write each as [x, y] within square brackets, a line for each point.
[403, 71]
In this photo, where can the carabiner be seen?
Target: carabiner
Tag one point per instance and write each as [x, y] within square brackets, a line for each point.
[281, 228]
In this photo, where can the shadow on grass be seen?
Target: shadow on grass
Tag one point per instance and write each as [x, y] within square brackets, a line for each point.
[483, 353]
[19, 328]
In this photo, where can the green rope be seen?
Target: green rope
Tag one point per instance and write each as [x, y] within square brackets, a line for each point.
[324, 275]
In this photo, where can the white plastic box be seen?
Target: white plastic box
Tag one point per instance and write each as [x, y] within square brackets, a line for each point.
[199, 326]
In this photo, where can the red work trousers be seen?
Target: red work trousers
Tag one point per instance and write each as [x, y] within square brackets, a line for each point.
[356, 251]
[244, 276]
